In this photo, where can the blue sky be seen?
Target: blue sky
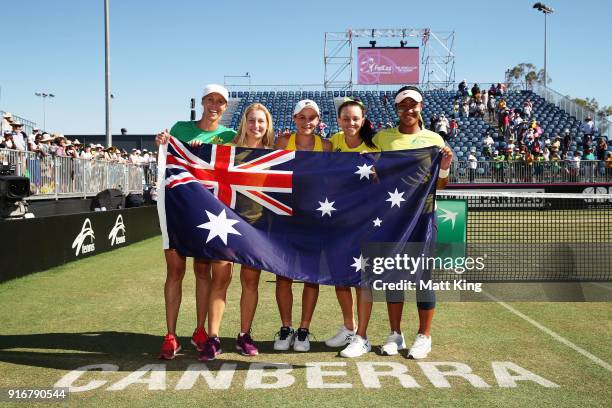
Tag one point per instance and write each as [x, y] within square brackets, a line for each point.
[163, 53]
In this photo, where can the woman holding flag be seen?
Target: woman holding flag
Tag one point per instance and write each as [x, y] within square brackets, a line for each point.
[410, 134]
[210, 293]
[256, 131]
[356, 136]
[306, 116]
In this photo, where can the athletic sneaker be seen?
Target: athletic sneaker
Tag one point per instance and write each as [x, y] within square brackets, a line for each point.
[302, 341]
[395, 342]
[211, 349]
[284, 338]
[245, 345]
[421, 347]
[199, 338]
[357, 347]
[170, 347]
[341, 338]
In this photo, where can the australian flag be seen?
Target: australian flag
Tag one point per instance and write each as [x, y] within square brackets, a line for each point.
[301, 215]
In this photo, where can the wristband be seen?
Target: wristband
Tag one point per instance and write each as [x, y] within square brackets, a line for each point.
[443, 173]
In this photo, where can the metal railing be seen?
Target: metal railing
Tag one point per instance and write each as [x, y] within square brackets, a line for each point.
[586, 171]
[572, 108]
[63, 177]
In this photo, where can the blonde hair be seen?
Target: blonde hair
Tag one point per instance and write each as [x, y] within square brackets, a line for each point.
[241, 136]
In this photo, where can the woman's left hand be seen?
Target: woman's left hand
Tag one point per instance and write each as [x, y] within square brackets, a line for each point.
[447, 157]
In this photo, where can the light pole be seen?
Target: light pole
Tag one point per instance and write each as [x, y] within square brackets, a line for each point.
[545, 10]
[109, 136]
[44, 96]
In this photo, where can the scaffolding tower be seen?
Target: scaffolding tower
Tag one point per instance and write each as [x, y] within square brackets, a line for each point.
[437, 63]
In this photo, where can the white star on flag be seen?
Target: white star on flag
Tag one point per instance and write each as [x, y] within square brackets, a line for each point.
[449, 216]
[219, 226]
[364, 171]
[395, 198]
[360, 263]
[326, 207]
[377, 222]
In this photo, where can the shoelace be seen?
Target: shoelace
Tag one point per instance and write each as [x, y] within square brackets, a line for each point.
[302, 335]
[283, 333]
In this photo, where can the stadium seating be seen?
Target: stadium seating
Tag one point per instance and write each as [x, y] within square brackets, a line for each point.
[551, 119]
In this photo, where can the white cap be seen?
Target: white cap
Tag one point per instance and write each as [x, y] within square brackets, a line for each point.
[409, 93]
[215, 88]
[306, 103]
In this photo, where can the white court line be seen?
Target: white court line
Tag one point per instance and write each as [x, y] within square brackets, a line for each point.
[552, 334]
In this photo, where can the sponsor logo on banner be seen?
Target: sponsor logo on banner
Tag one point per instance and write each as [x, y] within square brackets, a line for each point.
[117, 234]
[510, 201]
[84, 242]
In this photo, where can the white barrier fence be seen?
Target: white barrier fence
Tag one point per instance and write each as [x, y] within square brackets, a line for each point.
[59, 177]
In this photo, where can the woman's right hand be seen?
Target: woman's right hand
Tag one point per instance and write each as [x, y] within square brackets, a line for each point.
[162, 138]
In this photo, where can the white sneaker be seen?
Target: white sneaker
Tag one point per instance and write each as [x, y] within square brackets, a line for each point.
[395, 342]
[286, 336]
[341, 338]
[420, 348]
[357, 347]
[302, 341]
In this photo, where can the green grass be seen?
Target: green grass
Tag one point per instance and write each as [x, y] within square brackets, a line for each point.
[110, 309]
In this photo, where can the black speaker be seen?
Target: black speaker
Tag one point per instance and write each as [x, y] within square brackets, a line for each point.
[134, 200]
[14, 188]
[111, 199]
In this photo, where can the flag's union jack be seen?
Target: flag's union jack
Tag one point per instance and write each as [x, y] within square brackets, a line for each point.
[226, 178]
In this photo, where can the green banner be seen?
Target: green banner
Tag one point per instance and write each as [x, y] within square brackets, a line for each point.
[451, 217]
[452, 221]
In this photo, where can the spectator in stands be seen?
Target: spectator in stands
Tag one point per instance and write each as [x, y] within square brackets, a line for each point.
[588, 127]
[32, 136]
[488, 146]
[567, 141]
[463, 88]
[7, 119]
[527, 107]
[433, 122]
[500, 90]
[456, 108]
[466, 109]
[19, 136]
[473, 108]
[491, 105]
[546, 153]
[609, 166]
[498, 167]
[555, 145]
[481, 109]
[33, 145]
[476, 93]
[493, 91]
[472, 165]
[71, 150]
[602, 147]
[7, 142]
[454, 128]
[587, 141]
[86, 152]
[485, 98]
[442, 127]
[44, 147]
[60, 142]
[574, 166]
